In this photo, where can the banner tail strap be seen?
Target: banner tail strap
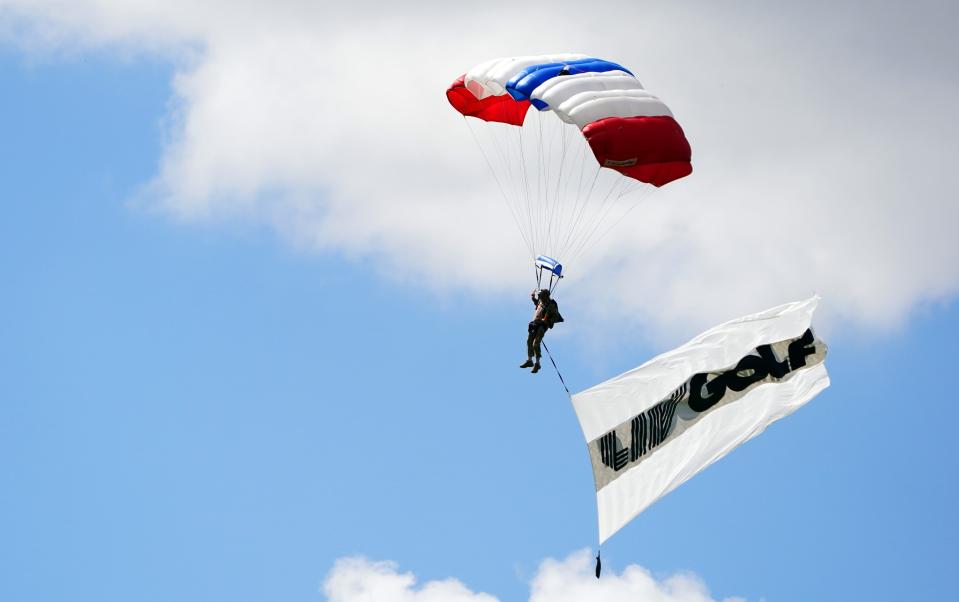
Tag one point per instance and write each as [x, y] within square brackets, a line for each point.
[552, 361]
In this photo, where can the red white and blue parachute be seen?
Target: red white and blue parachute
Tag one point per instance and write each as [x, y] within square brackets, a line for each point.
[559, 199]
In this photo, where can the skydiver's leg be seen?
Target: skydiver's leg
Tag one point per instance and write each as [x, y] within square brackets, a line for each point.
[529, 347]
[537, 340]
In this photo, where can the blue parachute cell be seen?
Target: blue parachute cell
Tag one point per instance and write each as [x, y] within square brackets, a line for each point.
[521, 85]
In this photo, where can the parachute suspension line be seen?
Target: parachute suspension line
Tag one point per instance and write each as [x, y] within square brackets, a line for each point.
[499, 140]
[499, 185]
[575, 210]
[582, 203]
[556, 204]
[566, 214]
[527, 190]
[552, 361]
[515, 144]
[512, 148]
[548, 200]
[559, 198]
[584, 222]
[622, 217]
[625, 187]
[606, 207]
[511, 151]
[506, 150]
[547, 185]
[496, 177]
[610, 196]
[546, 154]
[548, 177]
[644, 189]
[608, 204]
[535, 193]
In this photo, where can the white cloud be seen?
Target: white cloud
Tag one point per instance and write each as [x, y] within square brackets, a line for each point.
[823, 152]
[573, 580]
[361, 580]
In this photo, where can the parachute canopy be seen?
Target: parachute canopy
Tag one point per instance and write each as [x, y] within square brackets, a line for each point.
[628, 129]
[656, 426]
[594, 136]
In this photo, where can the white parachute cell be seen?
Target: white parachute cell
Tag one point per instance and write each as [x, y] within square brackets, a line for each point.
[490, 77]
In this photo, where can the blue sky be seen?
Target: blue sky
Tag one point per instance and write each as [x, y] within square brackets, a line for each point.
[200, 410]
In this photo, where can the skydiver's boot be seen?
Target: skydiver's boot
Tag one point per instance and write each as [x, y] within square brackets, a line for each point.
[535, 368]
[527, 364]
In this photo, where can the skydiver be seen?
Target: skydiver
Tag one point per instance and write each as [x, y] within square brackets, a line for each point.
[545, 316]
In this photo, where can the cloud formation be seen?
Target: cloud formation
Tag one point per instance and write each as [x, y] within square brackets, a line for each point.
[822, 151]
[360, 580]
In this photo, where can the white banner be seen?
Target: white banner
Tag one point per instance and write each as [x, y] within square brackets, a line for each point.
[654, 427]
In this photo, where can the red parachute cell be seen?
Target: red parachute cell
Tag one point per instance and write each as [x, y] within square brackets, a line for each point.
[492, 108]
[649, 149]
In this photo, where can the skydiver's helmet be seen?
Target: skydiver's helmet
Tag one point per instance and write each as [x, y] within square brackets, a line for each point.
[543, 294]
